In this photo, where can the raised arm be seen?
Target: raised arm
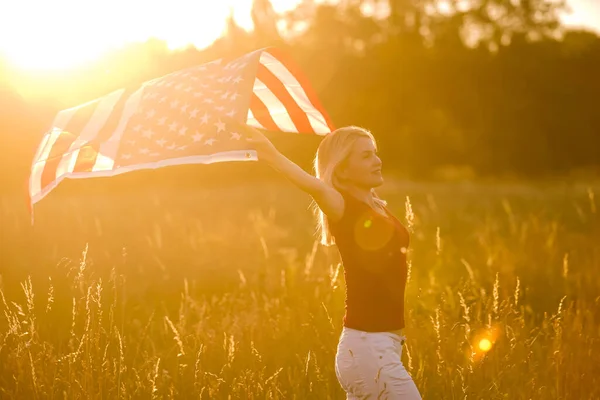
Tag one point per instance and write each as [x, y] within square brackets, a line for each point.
[329, 200]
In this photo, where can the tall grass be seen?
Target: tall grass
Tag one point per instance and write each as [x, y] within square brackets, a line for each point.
[225, 294]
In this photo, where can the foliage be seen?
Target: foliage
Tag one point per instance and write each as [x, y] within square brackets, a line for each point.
[223, 294]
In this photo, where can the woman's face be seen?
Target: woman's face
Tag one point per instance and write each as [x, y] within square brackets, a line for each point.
[362, 168]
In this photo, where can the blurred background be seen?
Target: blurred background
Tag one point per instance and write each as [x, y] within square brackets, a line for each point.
[449, 87]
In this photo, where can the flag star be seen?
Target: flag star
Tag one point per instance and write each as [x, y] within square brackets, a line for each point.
[228, 78]
[182, 147]
[184, 107]
[182, 131]
[242, 65]
[204, 119]
[238, 79]
[131, 142]
[197, 137]
[198, 94]
[234, 96]
[153, 95]
[148, 133]
[173, 126]
[144, 151]
[163, 99]
[155, 154]
[204, 85]
[210, 141]
[137, 128]
[209, 101]
[174, 103]
[219, 108]
[220, 125]
[126, 156]
[217, 91]
[235, 136]
[162, 120]
[231, 113]
[194, 113]
[188, 89]
[194, 78]
[178, 86]
[172, 146]
[150, 114]
[161, 142]
[225, 95]
[169, 84]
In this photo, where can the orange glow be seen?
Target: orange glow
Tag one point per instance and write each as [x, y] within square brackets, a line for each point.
[484, 341]
[485, 345]
[60, 34]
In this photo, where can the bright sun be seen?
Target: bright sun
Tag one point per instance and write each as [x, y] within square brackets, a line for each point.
[58, 34]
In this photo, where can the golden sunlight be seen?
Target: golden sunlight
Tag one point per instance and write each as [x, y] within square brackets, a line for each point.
[59, 34]
[485, 345]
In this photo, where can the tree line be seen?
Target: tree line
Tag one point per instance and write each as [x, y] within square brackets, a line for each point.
[492, 87]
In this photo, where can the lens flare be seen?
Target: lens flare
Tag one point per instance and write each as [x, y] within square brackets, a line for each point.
[485, 345]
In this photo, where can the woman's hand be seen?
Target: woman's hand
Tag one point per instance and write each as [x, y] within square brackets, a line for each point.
[265, 150]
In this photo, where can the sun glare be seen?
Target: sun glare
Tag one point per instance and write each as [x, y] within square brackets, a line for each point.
[485, 345]
[60, 34]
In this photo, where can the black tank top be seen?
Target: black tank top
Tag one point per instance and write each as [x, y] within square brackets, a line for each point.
[373, 250]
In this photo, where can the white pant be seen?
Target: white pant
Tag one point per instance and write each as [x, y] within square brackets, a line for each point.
[368, 365]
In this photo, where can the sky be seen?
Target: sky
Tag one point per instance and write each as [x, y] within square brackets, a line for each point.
[51, 34]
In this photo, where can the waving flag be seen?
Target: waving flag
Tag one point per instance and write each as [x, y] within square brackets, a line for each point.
[180, 118]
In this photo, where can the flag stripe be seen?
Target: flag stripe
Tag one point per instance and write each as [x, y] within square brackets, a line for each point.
[108, 150]
[299, 117]
[43, 152]
[236, 155]
[275, 107]
[94, 125]
[296, 91]
[261, 113]
[86, 158]
[61, 145]
[68, 135]
[297, 75]
[35, 180]
[250, 120]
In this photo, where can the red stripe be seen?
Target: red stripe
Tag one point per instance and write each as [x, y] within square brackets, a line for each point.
[70, 132]
[303, 80]
[89, 153]
[262, 114]
[60, 147]
[86, 159]
[273, 83]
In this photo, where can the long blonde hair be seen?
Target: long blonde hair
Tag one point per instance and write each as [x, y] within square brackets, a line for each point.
[334, 150]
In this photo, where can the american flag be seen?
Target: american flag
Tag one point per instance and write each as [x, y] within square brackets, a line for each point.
[182, 118]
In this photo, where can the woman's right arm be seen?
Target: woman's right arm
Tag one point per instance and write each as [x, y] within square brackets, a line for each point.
[329, 200]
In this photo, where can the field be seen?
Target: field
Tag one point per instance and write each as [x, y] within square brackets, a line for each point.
[223, 294]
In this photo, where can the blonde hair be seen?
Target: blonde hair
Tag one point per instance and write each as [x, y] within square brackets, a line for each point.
[333, 151]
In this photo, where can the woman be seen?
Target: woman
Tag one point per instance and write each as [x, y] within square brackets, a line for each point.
[372, 244]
